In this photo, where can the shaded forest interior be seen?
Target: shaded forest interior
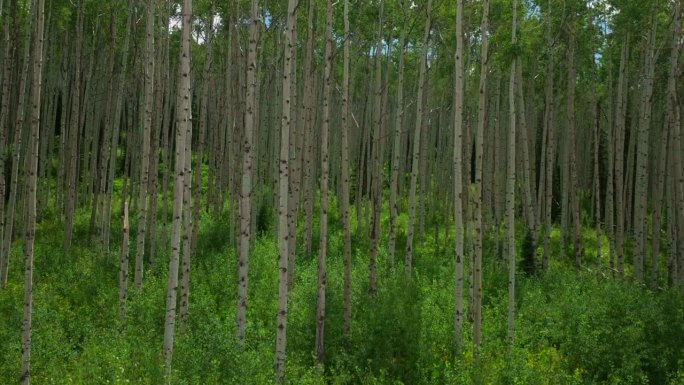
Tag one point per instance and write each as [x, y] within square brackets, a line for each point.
[365, 191]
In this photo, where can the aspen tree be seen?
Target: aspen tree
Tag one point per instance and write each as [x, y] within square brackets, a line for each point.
[571, 152]
[183, 122]
[619, 154]
[479, 146]
[251, 107]
[374, 174]
[148, 100]
[30, 224]
[307, 117]
[642, 156]
[7, 78]
[396, 148]
[458, 177]
[408, 261]
[549, 126]
[323, 221]
[344, 165]
[283, 182]
[510, 185]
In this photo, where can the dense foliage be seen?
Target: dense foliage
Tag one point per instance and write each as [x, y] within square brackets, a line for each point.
[572, 328]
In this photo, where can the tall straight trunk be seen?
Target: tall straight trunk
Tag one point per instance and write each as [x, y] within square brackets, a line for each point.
[252, 104]
[183, 123]
[30, 223]
[323, 221]
[510, 185]
[621, 101]
[374, 173]
[641, 177]
[597, 178]
[148, 102]
[306, 118]
[479, 147]
[187, 226]
[549, 126]
[408, 261]
[72, 145]
[458, 177]
[283, 182]
[396, 149]
[344, 172]
[572, 151]
[7, 78]
[610, 180]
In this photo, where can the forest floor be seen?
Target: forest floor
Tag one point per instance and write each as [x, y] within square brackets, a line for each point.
[571, 327]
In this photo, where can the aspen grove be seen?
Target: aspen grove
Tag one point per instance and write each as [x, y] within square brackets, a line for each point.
[347, 191]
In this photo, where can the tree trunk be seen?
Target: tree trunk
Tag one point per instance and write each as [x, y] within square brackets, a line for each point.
[323, 221]
[344, 165]
[148, 100]
[30, 224]
[458, 177]
[619, 155]
[479, 147]
[408, 262]
[641, 177]
[283, 182]
[252, 105]
[510, 187]
[396, 149]
[183, 122]
[549, 126]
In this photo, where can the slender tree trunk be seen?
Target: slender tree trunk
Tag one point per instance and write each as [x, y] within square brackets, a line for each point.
[374, 173]
[30, 224]
[408, 262]
[510, 186]
[306, 119]
[549, 123]
[641, 177]
[597, 179]
[479, 147]
[458, 177]
[283, 182]
[344, 203]
[571, 151]
[72, 145]
[7, 78]
[323, 221]
[619, 155]
[148, 100]
[183, 123]
[252, 104]
[396, 149]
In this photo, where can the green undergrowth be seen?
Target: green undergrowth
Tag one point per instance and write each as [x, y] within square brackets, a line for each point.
[571, 327]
